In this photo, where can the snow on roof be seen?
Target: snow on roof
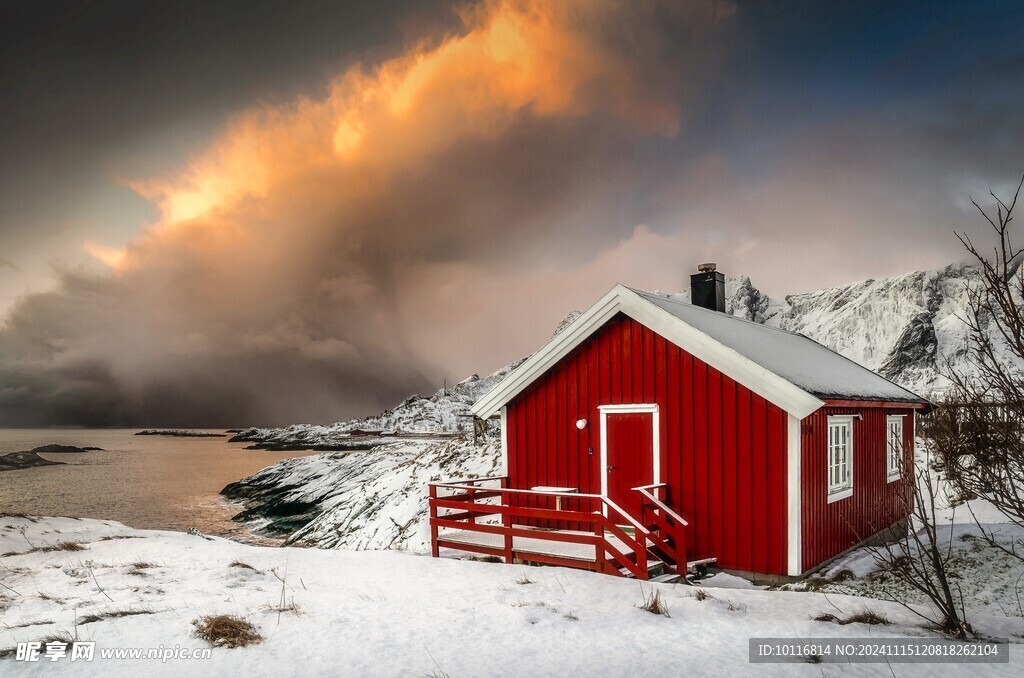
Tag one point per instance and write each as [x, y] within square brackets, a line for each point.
[798, 359]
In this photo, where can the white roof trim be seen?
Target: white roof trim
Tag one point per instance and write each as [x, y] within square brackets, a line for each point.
[621, 299]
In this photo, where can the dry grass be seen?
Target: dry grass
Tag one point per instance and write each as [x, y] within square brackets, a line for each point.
[290, 606]
[224, 630]
[570, 616]
[244, 566]
[818, 582]
[25, 625]
[524, 580]
[702, 595]
[47, 596]
[654, 604]
[114, 614]
[31, 519]
[60, 546]
[143, 565]
[842, 575]
[865, 616]
[59, 637]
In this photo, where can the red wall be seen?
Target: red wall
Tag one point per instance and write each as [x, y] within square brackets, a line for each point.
[830, 529]
[723, 448]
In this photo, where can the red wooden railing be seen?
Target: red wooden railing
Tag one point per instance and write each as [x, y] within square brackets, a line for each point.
[469, 505]
[666, 528]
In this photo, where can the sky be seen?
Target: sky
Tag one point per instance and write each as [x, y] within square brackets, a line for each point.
[260, 213]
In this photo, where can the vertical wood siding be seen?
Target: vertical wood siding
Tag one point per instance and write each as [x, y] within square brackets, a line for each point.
[830, 529]
[723, 448]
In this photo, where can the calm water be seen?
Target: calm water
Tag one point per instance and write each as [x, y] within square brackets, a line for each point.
[154, 482]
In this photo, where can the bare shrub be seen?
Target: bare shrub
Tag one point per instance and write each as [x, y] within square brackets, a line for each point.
[917, 556]
[978, 433]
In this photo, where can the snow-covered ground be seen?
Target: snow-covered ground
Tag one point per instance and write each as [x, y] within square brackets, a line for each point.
[991, 580]
[395, 613]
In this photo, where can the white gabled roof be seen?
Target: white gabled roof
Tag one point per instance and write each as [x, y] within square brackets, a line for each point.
[795, 373]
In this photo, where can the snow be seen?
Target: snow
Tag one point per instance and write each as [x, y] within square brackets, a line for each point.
[375, 499]
[389, 613]
[794, 357]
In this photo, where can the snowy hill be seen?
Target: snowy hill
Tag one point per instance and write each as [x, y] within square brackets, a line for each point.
[903, 327]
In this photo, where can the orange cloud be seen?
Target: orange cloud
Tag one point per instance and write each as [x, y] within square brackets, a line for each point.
[515, 58]
[112, 257]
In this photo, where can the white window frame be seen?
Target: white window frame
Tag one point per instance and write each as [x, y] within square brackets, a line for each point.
[894, 447]
[840, 484]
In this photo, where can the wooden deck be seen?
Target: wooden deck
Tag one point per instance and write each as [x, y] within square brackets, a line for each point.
[485, 516]
[524, 547]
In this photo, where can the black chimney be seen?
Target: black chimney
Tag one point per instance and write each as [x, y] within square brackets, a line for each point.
[707, 288]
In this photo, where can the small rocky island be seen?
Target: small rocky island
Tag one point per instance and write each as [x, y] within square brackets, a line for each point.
[15, 461]
[179, 433]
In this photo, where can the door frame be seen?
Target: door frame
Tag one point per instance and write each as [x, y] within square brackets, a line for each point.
[629, 408]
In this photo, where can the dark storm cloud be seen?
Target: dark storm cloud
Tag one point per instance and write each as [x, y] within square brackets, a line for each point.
[437, 210]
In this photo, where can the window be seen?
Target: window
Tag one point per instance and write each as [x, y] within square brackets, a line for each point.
[840, 457]
[894, 446]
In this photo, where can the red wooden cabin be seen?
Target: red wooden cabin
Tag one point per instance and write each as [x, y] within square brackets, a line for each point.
[654, 433]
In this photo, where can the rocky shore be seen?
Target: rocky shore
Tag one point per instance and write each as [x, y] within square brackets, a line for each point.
[179, 433]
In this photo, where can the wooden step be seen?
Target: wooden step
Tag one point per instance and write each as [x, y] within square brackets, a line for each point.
[666, 578]
[655, 568]
[700, 566]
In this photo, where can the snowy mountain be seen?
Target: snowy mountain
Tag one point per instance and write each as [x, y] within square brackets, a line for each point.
[904, 327]
[444, 412]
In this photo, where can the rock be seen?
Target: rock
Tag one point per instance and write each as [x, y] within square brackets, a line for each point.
[179, 433]
[14, 461]
[63, 449]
